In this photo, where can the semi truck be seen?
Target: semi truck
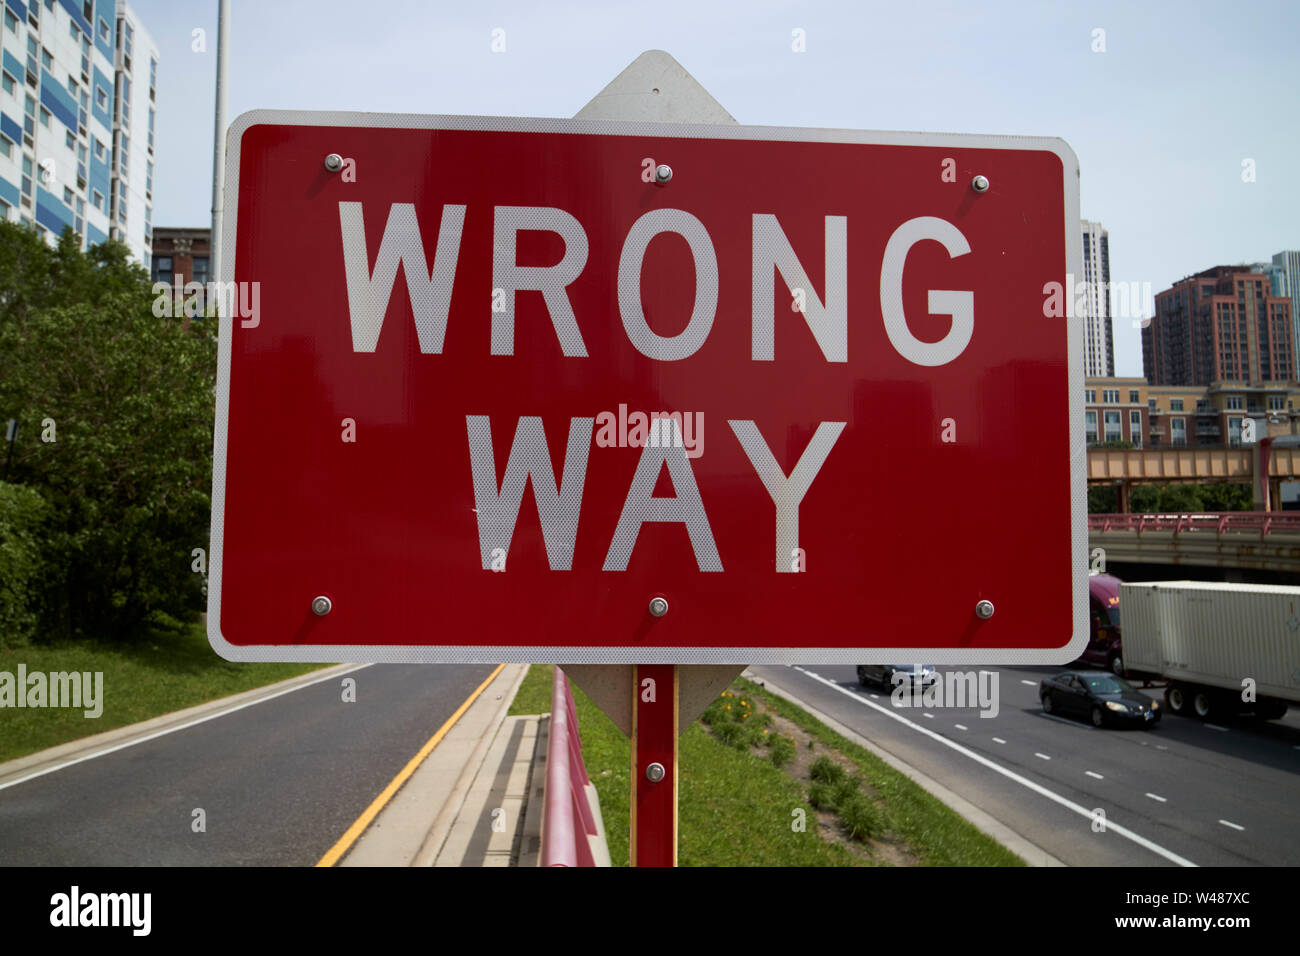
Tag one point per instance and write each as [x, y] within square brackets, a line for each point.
[1223, 648]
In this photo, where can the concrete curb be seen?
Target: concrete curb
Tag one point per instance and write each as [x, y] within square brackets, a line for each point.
[86, 748]
[1031, 853]
[413, 827]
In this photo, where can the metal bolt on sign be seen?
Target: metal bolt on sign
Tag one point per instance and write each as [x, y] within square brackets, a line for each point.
[658, 607]
[984, 609]
[321, 606]
[663, 173]
[333, 162]
[980, 184]
[655, 772]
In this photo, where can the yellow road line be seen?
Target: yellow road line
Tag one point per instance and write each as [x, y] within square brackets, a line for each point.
[345, 842]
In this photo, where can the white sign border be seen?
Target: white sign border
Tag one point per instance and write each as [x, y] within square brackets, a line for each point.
[466, 654]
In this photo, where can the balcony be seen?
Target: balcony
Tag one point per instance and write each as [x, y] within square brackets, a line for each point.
[1205, 431]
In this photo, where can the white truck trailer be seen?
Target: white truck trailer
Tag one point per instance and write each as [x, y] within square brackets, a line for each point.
[1223, 648]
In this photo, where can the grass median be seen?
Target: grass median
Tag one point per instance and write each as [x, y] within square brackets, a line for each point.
[142, 679]
[750, 793]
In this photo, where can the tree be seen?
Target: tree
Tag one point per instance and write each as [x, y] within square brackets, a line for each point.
[116, 413]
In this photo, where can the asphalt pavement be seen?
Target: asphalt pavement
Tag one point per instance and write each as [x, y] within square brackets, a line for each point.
[277, 782]
[1183, 793]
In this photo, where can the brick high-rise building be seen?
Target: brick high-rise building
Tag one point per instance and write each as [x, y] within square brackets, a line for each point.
[1220, 325]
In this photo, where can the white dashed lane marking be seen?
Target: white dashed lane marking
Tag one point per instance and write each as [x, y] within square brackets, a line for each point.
[960, 726]
[1217, 727]
[998, 740]
[1029, 682]
[996, 767]
[1229, 823]
[1041, 756]
[1156, 796]
[1097, 775]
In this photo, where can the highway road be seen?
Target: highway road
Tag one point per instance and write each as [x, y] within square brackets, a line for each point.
[279, 781]
[1184, 792]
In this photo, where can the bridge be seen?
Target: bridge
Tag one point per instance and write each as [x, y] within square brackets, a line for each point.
[1278, 458]
[1258, 540]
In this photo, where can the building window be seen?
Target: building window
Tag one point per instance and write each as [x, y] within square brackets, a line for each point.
[9, 84]
[1090, 396]
[1234, 431]
[11, 22]
[1234, 402]
[97, 200]
[162, 269]
[1133, 398]
[105, 32]
[101, 98]
[1275, 403]
[1178, 432]
[1114, 432]
[6, 150]
[1110, 396]
[201, 269]
[99, 151]
[1090, 426]
[45, 117]
[1175, 404]
[47, 61]
[1135, 428]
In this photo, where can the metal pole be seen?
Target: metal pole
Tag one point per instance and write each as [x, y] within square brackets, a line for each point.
[219, 141]
[653, 837]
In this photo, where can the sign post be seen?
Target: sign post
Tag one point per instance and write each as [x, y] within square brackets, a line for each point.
[652, 840]
[651, 393]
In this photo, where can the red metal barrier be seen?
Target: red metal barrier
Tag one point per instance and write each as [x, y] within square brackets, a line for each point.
[567, 819]
[1225, 522]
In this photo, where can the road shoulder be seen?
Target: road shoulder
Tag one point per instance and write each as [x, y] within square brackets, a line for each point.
[1013, 841]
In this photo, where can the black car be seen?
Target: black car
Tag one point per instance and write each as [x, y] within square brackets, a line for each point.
[1101, 697]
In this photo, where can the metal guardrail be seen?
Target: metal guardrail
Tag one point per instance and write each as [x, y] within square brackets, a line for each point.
[1260, 522]
[573, 833]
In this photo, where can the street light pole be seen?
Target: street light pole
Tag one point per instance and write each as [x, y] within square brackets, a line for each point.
[219, 141]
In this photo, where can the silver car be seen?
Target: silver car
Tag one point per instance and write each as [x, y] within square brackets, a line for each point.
[914, 675]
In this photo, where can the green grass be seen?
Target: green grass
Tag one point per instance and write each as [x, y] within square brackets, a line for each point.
[142, 679]
[736, 808]
[936, 833]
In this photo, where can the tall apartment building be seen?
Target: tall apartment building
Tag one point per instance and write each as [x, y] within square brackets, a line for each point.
[1220, 325]
[1099, 348]
[78, 92]
[1284, 273]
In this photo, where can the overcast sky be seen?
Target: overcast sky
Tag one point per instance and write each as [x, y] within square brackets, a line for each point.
[1161, 120]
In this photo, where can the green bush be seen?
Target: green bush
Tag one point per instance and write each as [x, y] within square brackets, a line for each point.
[23, 513]
[826, 770]
[862, 818]
[845, 790]
[820, 796]
[782, 749]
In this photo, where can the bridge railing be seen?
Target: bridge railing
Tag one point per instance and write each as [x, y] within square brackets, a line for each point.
[573, 833]
[1225, 522]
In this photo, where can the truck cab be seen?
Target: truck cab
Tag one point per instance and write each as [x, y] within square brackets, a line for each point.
[1104, 648]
